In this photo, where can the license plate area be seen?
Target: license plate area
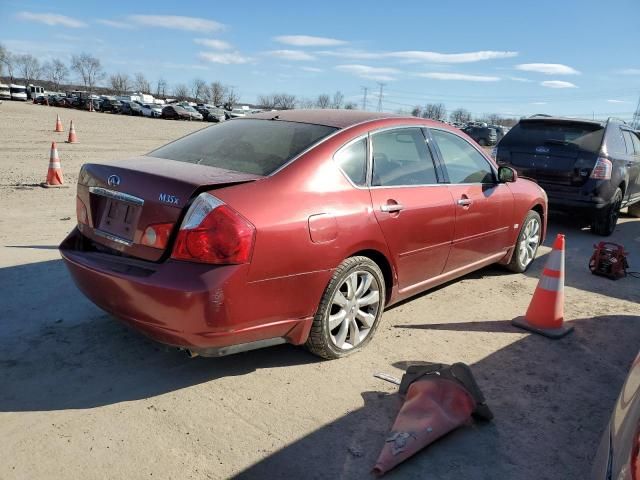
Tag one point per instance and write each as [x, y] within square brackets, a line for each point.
[119, 218]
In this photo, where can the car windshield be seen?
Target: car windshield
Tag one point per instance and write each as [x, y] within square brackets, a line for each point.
[585, 136]
[250, 146]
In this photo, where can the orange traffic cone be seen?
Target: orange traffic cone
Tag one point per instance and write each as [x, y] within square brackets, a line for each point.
[72, 134]
[54, 174]
[59, 127]
[545, 314]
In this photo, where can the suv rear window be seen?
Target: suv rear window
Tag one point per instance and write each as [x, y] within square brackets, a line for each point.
[252, 146]
[533, 133]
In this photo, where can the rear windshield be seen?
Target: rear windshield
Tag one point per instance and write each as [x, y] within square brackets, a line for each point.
[252, 146]
[530, 134]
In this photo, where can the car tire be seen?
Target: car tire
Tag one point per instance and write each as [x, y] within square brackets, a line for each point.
[605, 220]
[634, 210]
[527, 243]
[340, 326]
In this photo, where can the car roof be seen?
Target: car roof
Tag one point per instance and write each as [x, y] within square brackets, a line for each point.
[329, 117]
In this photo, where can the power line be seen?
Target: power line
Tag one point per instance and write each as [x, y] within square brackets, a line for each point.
[382, 85]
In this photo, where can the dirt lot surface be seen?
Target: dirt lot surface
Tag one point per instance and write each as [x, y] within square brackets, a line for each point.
[81, 396]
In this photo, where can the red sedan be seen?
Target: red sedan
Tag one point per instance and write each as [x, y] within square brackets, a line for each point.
[295, 226]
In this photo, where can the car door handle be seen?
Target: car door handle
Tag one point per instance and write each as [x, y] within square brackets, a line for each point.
[464, 202]
[391, 207]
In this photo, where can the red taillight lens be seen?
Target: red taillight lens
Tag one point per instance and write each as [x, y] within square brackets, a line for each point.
[212, 232]
[157, 235]
[602, 169]
[81, 212]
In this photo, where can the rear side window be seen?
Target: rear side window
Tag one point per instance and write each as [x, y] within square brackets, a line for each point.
[400, 158]
[352, 159]
[463, 162]
[531, 134]
[252, 146]
[629, 141]
[636, 142]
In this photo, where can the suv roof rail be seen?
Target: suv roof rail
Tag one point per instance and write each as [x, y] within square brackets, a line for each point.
[616, 119]
[543, 115]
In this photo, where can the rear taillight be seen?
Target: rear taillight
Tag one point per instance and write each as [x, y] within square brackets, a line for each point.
[81, 212]
[212, 232]
[635, 456]
[602, 169]
[157, 235]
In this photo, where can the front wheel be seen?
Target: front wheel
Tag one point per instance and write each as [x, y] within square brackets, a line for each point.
[605, 221]
[527, 243]
[350, 309]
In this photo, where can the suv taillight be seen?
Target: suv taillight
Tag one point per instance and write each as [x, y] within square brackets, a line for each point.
[602, 169]
[212, 232]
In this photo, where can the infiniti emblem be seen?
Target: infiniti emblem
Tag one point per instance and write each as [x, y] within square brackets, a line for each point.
[542, 150]
[113, 180]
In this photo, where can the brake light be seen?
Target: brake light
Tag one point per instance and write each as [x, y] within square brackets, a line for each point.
[81, 212]
[602, 169]
[157, 235]
[212, 232]
[635, 457]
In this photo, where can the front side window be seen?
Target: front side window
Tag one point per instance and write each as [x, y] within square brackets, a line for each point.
[401, 157]
[352, 159]
[463, 162]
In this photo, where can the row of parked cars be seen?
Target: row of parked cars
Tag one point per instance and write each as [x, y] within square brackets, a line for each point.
[174, 111]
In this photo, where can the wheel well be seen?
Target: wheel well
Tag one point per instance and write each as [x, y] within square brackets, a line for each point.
[622, 187]
[538, 208]
[381, 260]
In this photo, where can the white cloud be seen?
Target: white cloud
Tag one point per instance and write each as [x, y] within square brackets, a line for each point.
[557, 84]
[381, 74]
[51, 19]
[617, 101]
[177, 22]
[435, 57]
[311, 69]
[232, 58]
[538, 103]
[520, 79]
[213, 43]
[308, 41]
[349, 53]
[458, 76]
[548, 68]
[293, 55]
[115, 24]
[630, 71]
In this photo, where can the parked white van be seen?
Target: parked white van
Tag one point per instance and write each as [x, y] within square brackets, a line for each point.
[18, 92]
[5, 92]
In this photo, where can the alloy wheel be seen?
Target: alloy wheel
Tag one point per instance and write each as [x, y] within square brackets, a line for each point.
[529, 242]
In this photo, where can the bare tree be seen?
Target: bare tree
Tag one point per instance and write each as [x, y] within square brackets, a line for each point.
[56, 72]
[493, 118]
[231, 98]
[6, 62]
[284, 101]
[305, 103]
[323, 101]
[181, 91]
[460, 115]
[350, 106]
[120, 83]
[416, 111]
[28, 67]
[141, 84]
[338, 98]
[267, 101]
[434, 111]
[161, 87]
[88, 68]
[217, 93]
[199, 89]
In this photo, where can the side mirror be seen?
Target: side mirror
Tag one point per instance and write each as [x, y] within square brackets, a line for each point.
[507, 174]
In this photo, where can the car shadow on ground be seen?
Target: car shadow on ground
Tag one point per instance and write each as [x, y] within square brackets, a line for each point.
[542, 392]
[58, 351]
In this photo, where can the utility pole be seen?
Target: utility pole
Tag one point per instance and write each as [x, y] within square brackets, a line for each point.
[635, 123]
[364, 99]
[382, 85]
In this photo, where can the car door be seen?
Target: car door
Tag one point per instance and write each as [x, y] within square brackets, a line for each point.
[483, 207]
[633, 164]
[413, 207]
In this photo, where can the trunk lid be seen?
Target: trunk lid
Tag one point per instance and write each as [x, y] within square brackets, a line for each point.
[124, 197]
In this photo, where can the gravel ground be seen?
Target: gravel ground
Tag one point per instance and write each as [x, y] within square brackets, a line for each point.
[81, 396]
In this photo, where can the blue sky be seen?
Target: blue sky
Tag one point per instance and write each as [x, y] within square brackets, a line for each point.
[569, 57]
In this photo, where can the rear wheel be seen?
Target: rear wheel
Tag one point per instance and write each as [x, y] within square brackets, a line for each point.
[350, 309]
[604, 221]
[527, 243]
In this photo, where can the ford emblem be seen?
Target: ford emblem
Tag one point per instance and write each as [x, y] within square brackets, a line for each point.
[113, 180]
[542, 150]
